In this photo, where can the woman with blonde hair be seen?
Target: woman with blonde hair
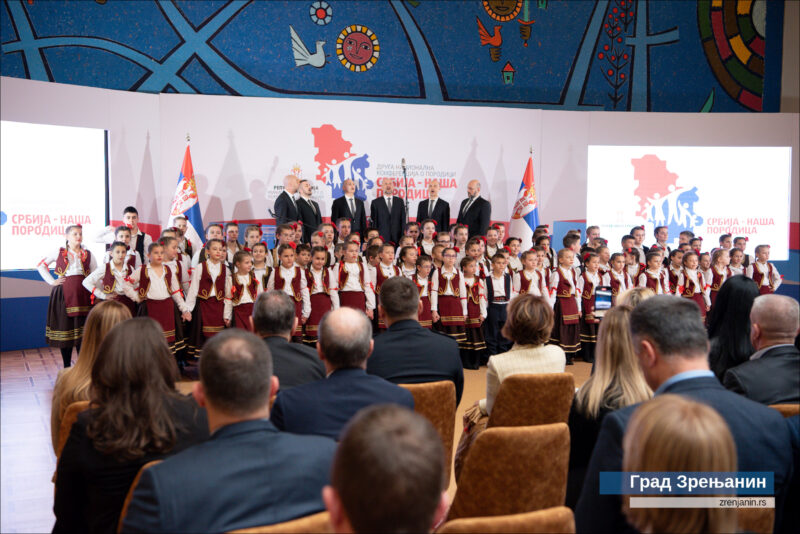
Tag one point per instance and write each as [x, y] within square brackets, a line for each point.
[669, 434]
[617, 382]
[633, 296]
[73, 383]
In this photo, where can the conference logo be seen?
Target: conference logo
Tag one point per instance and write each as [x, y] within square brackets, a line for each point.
[661, 202]
[336, 162]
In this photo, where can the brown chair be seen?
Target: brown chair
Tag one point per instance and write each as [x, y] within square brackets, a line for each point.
[557, 520]
[313, 524]
[787, 410]
[533, 399]
[513, 470]
[129, 495]
[436, 401]
[69, 418]
[757, 520]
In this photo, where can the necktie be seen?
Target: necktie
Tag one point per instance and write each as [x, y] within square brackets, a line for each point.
[468, 205]
[310, 203]
[353, 207]
[389, 203]
[293, 202]
[430, 208]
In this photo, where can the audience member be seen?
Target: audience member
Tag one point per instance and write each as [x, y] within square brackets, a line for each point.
[403, 490]
[671, 345]
[325, 406]
[633, 296]
[791, 522]
[729, 325]
[274, 320]
[616, 382]
[73, 383]
[772, 375]
[407, 353]
[249, 474]
[674, 434]
[137, 416]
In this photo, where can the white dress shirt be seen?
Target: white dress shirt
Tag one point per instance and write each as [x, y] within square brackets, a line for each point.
[288, 276]
[352, 283]
[448, 291]
[158, 287]
[74, 265]
[94, 282]
[214, 270]
[333, 282]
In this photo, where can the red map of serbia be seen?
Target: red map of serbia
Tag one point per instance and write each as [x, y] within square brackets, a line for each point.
[653, 180]
[331, 147]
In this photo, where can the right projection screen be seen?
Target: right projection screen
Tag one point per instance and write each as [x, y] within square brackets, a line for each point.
[711, 191]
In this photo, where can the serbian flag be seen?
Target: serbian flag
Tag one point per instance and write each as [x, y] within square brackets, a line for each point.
[525, 217]
[186, 203]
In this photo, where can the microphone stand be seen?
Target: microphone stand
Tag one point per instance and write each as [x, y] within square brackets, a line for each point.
[405, 180]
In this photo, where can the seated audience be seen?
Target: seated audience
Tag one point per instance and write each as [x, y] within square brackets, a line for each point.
[248, 474]
[136, 416]
[729, 325]
[772, 374]
[674, 434]
[73, 383]
[406, 353]
[791, 522]
[617, 382]
[633, 296]
[403, 490]
[673, 355]
[325, 406]
[274, 320]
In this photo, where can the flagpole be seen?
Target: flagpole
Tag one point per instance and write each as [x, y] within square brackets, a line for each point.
[405, 180]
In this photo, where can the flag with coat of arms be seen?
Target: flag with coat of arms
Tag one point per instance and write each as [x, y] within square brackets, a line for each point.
[186, 203]
[525, 216]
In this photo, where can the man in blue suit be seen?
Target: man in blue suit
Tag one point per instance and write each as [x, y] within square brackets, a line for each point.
[247, 474]
[324, 407]
[672, 347]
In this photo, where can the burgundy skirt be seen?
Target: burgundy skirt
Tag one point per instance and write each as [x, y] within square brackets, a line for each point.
[425, 317]
[163, 311]
[77, 301]
[700, 301]
[764, 290]
[353, 299]
[298, 312]
[125, 300]
[212, 313]
[320, 305]
[566, 333]
[450, 311]
[241, 316]
[62, 330]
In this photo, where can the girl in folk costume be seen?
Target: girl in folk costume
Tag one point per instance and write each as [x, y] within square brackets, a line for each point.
[692, 285]
[181, 273]
[291, 279]
[618, 277]
[405, 241]
[719, 273]
[763, 273]
[245, 288]
[181, 224]
[475, 252]
[633, 264]
[588, 282]
[355, 288]
[449, 299]
[424, 282]
[741, 244]
[460, 238]
[544, 273]
[438, 260]
[123, 235]
[408, 262]
[260, 263]
[208, 291]
[549, 262]
[604, 253]
[108, 281]
[382, 272]
[70, 302]
[652, 276]
[514, 262]
[491, 244]
[214, 231]
[567, 309]
[529, 279]
[157, 290]
[284, 233]
[252, 236]
[428, 238]
[177, 261]
[704, 266]
[737, 262]
[674, 269]
[473, 351]
[323, 293]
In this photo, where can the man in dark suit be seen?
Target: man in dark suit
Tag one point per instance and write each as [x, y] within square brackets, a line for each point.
[274, 320]
[772, 376]
[308, 211]
[350, 207]
[285, 205]
[475, 212]
[434, 208]
[388, 213]
[248, 474]
[673, 355]
[325, 406]
[406, 353]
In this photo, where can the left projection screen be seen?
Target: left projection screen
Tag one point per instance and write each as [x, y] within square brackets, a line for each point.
[50, 177]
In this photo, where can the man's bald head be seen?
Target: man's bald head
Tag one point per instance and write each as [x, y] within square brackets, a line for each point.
[775, 320]
[473, 188]
[345, 338]
[290, 183]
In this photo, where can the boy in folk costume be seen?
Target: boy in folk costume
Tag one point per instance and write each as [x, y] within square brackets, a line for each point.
[355, 287]
[208, 291]
[424, 281]
[449, 299]
[588, 282]
[473, 351]
[245, 288]
[139, 242]
[383, 271]
[499, 292]
[764, 273]
[323, 292]
[692, 285]
[232, 245]
[719, 272]
[291, 279]
[107, 282]
[567, 308]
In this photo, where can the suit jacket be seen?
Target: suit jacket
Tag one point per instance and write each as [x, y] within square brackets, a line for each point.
[441, 214]
[583, 431]
[477, 217]
[406, 353]
[325, 406]
[285, 210]
[294, 363]
[390, 225]
[310, 218]
[91, 486]
[340, 208]
[760, 434]
[248, 474]
[772, 379]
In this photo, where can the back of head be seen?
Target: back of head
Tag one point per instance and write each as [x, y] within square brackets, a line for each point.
[672, 324]
[236, 372]
[729, 324]
[632, 297]
[345, 337]
[389, 471]
[777, 317]
[273, 313]
[530, 320]
[672, 434]
[400, 298]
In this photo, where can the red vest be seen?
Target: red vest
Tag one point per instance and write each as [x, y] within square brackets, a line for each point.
[381, 278]
[689, 286]
[429, 283]
[280, 282]
[344, 275]
[651, 282]
[312, 282]
[524, 283]
[211, 288]
[110, 281]
[587, 298]
[144, 281]
[237, 289]
[718, 279]
[757, 276]
[62, 263]
[453, 281]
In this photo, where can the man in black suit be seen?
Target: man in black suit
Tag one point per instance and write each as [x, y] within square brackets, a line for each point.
[285, 205]
[772, 376]
[350, 207]
[388, 213]
[406, 353]
[308, 211]
[434, 208]
[325, 406]
[274, 320]
[248, 474]
[475, 212]
[673, 355]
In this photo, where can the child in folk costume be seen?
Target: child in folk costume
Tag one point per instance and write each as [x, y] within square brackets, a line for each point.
[245, 288]
[549, 262]
[572, 241]
[544, 272]
[214, 231]
[704, 265]
[123, 234]
[184, 244]
[719, 272]
[284, 234]
[737, 262]
[70, 302]
[763, 273]
[674, 269]
[604, 253]
[618, 277]
[261, 267]
[633, 264]
[588, 282]
[428, 238]
[473, 350]
[338, 253]
[652, 277]
[529, 280]
[355, 286]
[252, 235]
[210, 286]
[372, 257]
[232, 245]
[323, 293]
[492, 243]
[382, 272]
[449, 299]
[438, 259]
[329, 234]
[107, 282]
[692, 285]
[291, 279]
[474, 252]
[181, 272]
[181, 259]
[424, 282]
[408, 262]
[567, 308]
[303, 253]
[499, 292]
[514, 262]
[741, 244]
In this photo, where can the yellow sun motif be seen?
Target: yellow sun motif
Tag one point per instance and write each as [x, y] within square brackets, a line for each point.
[357, 48]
